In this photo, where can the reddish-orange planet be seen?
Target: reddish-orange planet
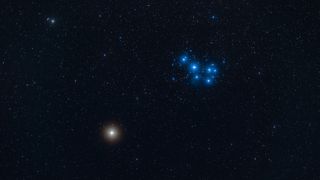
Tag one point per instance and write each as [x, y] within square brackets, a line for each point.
[112, 132]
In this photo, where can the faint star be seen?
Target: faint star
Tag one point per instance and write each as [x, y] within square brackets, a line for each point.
[51, 20]
[214, 18]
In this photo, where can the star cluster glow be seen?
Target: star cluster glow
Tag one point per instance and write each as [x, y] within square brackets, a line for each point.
[198, 72]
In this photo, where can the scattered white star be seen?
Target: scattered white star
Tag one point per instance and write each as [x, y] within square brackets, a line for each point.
[51, 20]
[214, 18]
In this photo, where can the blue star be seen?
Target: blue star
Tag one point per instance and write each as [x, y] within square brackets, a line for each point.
[208, 81]
[194, 67]
[184, 59]
[211, 69]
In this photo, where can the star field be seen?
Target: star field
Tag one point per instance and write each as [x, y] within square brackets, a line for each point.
[160, 90]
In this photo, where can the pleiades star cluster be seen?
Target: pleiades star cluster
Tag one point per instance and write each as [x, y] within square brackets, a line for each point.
[159, 90]
[198, 72]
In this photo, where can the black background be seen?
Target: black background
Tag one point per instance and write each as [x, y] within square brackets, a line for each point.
[105, 61]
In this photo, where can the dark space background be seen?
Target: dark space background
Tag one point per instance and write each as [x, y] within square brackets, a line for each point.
[110, 60]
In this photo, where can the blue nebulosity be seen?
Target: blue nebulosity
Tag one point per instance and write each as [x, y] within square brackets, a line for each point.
[200, 73]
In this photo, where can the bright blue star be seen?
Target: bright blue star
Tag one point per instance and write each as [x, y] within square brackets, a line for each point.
[194, 67]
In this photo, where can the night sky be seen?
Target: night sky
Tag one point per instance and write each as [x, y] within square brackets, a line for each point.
[201, 90]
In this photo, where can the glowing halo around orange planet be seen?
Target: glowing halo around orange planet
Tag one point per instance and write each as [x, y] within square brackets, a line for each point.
[112, 133]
